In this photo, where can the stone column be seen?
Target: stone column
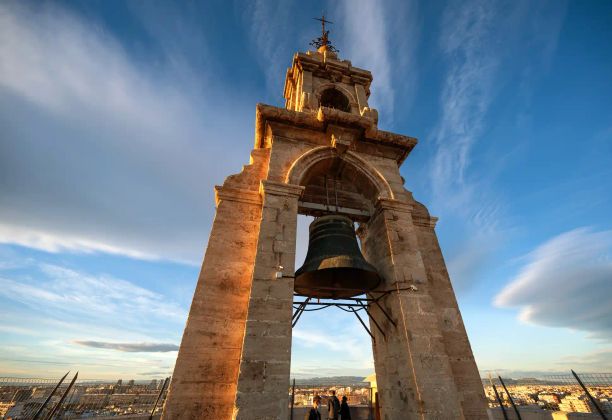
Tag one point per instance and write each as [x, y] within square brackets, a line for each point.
[362, 99]
[454, 335]
[204, 381]
[413, 372]
[263, 380]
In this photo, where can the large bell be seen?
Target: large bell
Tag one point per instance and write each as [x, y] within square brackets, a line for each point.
[334, 267]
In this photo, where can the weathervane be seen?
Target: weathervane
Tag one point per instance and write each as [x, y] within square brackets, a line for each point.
[322, 43]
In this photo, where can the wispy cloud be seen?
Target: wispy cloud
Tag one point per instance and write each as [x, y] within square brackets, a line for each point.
[564, 283]
[129, 347]
[595, 361]
[55, 243]
[466, 94]
[346, 344]
[466, 44]
[368, 37]
[463, 184]
[121, 157]
[273, 37]
[74, 318]
[66, 293]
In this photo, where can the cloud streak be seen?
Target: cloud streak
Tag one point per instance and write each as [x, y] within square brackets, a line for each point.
[368, 38]
[273, 37]
[130, 347]
[469, 42]
[68, 294]
[121, 156]
[564, 283]
[346, 343]
[466, 93]
[79, 319]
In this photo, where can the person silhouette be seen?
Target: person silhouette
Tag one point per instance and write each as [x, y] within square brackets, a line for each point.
[313, 413]
[345, 412]
[333, 406]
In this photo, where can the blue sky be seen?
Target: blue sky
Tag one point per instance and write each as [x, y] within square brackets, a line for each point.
[118, 118]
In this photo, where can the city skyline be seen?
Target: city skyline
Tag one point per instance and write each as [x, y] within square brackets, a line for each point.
[112, 116]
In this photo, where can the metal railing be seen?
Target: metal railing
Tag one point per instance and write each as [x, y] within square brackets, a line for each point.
[572, 393]
[71, 398]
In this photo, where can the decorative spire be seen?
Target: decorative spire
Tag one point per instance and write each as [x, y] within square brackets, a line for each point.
[322, 43]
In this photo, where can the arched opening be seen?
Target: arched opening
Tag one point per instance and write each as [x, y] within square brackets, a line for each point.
[333, 98]
[331, 349]
[336, 183]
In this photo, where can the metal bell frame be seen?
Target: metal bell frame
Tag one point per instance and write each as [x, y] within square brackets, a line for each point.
[347, 304]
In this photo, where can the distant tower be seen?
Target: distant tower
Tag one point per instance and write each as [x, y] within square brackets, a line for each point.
[234, 358]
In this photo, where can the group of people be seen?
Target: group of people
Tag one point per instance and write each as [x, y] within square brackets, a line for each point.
[335, 409]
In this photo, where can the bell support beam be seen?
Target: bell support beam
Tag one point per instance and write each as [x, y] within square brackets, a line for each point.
[364, 325]
[298, 313]
[359, 305]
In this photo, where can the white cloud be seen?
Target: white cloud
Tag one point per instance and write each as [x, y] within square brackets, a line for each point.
[129, 347]
[343, 345]
[101, 152]
[466, 95]
[566, 283]
[57, 242]
[272, 36]
[464, 193]
[381, 37]
[366, 39]
[66, 294]
[595, 361]
[79, 320]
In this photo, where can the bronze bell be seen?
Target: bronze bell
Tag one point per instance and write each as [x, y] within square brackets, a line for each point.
[334, 266]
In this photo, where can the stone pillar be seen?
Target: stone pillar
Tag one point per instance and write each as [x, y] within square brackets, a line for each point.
[454, 335]
[362, 99]
[413, 371]
[263, 380]
[204, 381]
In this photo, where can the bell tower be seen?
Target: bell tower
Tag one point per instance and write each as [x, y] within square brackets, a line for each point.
[322, 155]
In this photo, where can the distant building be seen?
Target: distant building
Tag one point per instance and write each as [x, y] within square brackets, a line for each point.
[5, 407]
[98, 400]
[549, 398]
[576, 404]
[22, 395]
[17, 411]
[372, 380]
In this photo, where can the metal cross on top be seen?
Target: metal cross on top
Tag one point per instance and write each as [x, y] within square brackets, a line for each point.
[323, 42]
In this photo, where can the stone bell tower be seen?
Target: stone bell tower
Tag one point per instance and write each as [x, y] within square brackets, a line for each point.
[234, 358]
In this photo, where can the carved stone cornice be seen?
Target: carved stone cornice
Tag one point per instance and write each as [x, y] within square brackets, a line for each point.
[393, 205]
[399, 206]
[428, 222]
[319, 121]
[280, 188]
[234, 194]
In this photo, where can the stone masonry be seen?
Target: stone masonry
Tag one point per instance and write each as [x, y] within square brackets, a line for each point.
[234, 358]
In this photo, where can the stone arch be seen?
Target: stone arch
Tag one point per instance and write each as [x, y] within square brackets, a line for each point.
[301, 166]
[325, 86]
